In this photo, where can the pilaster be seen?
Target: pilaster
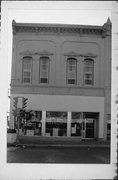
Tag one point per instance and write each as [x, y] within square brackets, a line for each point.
[43, 122]
[69, 124]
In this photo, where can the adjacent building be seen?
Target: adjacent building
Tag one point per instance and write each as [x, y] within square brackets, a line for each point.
[64, 72]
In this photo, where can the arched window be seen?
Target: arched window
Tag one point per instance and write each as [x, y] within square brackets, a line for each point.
[71, 71]
[27, 69]
[88, 71]
[44, 69]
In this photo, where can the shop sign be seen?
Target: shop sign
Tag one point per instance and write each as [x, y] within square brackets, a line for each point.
[60, 120]
[89, 120]
[55, 120]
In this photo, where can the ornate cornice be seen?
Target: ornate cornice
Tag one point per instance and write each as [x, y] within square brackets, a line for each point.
[59, 29]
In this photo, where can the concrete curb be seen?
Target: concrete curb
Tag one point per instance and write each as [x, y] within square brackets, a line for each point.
[58, 145]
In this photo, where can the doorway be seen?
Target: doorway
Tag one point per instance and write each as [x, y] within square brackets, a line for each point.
[89, 130]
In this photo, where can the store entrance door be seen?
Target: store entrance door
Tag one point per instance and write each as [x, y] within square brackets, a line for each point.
[90, 125]
[88, 128]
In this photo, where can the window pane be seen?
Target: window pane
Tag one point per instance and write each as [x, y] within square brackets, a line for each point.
[27, 80]
[27, 65]
[27, 74]
[44, 69]
[89, 62]
[44, 80]
[71, 75]
[71, 70]
[89, 82]
[44, 64]
[71, 81]
[72, 65]
[88, 71]
[27, 69]
[88, 76]
[44, 74]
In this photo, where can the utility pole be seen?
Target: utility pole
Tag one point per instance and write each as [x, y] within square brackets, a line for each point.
[20, 103]
[18, 122]
[16, 115]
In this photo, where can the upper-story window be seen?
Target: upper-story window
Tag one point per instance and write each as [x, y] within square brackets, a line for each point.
[71, 71]
[44, 69]
[88, 71]
[27, 69]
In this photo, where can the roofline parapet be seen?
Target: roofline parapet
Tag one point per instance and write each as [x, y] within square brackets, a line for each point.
[61, 29]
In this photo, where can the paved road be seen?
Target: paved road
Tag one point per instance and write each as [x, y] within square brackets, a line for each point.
[58, 155]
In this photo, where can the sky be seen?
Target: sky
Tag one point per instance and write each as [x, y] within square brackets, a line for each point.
[84, 17]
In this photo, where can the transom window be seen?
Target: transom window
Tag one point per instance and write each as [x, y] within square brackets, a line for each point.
[71, 71]
[88, 72]
[27, 69]
[44, 70]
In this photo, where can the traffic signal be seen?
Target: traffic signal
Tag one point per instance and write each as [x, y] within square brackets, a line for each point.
[15, 102]
[24, 101]
[22, 113]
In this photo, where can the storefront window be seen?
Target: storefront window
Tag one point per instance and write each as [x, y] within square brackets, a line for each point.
[76, 124]
[31, 123]
[56, 123]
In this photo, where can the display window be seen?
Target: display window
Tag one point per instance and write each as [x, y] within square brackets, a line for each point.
[56, 123]
[31, 123]
[84, 124]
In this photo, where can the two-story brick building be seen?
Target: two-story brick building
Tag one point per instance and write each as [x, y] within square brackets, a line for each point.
[65, 72]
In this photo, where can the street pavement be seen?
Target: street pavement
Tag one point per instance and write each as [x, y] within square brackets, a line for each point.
[59, 141]
[25, 154]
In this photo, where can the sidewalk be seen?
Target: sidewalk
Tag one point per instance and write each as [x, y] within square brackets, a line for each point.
[59, 142]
